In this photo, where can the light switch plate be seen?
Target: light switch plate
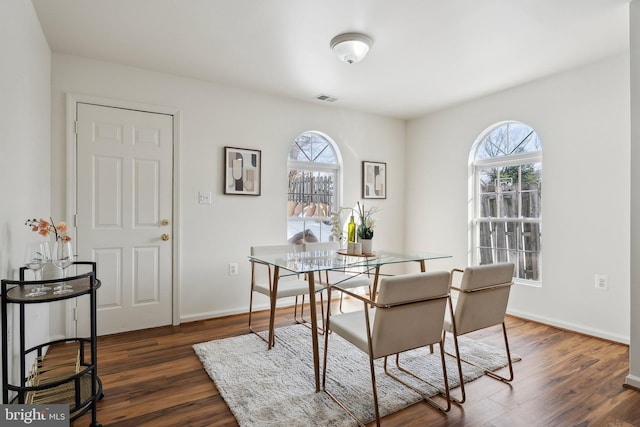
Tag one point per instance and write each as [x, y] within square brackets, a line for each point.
[204, 197]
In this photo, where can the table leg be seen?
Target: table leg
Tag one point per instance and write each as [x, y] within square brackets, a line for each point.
[375, 283]
[314, 330]
[273, 299]
[423, 268]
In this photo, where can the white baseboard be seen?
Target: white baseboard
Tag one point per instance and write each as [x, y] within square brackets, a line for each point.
[571, 327]
[284, 302]
[219, 313]
[633, 381]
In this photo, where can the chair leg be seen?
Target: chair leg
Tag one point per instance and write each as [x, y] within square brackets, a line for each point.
[488, 373]
[301, 320]
[463, 395]
[375, 389]
[324, 380]
[250, 307]
[506, 346]
[446, 394]
[251, 327]
[326, 346]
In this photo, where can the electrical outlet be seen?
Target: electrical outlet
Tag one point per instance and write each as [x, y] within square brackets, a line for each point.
[602, 282]
[233, 269]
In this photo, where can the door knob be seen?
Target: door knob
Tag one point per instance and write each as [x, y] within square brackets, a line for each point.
[164, 222]
[165, 237]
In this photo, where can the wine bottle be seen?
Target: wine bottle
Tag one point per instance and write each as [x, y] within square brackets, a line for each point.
[351, 230]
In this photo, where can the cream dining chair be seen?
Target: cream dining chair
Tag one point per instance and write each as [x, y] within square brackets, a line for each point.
[408, 314]
[342, 278]
[483, 294]
[289, 285]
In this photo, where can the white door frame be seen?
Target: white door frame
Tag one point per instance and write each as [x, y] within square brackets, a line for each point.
[72, 101]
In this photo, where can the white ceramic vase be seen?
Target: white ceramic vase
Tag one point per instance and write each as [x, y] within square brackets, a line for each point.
[367, 246]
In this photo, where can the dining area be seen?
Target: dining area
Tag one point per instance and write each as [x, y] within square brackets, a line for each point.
[393, 325]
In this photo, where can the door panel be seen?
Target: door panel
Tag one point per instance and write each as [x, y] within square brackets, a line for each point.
[124, 192]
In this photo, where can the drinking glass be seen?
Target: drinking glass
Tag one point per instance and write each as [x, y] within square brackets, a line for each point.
[62, 258]
[37, 255]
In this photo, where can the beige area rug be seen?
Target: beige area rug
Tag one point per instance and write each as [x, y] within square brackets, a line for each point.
[276, 387]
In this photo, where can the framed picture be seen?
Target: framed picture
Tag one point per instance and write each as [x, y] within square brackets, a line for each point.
[374, 180]
[242, 168]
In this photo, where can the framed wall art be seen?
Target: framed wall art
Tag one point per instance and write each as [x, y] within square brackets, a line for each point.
[374, 180]
[242, 169]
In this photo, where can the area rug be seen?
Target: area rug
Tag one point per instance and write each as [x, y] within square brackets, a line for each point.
[276, 387]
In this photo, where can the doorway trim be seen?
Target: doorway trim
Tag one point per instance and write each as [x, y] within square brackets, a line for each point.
[73, 99]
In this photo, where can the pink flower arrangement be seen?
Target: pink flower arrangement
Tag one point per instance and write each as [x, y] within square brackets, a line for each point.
[44, 228]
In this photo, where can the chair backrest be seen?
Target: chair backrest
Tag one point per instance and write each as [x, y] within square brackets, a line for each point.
[272, 249]
[484, 296]
[416, 315]
[321, 246]
[263, 275]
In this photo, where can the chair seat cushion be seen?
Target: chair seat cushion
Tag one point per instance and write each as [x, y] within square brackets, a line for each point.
[288, 288]
[352, 327]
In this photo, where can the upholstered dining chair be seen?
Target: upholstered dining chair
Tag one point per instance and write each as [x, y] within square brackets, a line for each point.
[481, 302]
[289, 285]
[408, 314]
[342, 278]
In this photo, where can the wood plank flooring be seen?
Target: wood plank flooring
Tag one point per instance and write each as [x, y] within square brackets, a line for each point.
[153, 378]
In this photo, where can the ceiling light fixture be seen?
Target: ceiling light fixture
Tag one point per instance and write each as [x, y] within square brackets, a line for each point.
[351, 47]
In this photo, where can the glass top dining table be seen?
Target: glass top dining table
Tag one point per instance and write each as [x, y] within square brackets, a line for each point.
[313, 261]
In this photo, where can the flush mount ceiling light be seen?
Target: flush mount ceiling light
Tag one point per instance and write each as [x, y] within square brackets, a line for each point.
[351, 47]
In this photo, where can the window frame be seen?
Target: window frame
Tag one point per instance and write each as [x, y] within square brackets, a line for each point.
[475, 169]
[310, 166]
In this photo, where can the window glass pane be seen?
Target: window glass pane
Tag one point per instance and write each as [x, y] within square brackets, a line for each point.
[528, 266]
[508, 200]
[312, 147]
[531, 186]
[310, 193]
[311, 199]
[500, 235]
[507, 140]
[507, 182]
[485, 243]
[488, 180]
[485, 255]
[488, 206]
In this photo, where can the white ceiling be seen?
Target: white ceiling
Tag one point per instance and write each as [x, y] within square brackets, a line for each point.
[427, 54]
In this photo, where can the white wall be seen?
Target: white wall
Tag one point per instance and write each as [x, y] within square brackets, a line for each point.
[634, 348]
[213, 116]
[24, 145]
[582, 118]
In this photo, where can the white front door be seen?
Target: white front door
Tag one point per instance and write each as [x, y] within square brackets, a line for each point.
[124, 214]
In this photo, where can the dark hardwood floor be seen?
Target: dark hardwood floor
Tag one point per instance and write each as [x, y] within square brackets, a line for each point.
[153, 378]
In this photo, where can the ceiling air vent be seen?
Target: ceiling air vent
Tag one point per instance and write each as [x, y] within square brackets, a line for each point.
[326, 98]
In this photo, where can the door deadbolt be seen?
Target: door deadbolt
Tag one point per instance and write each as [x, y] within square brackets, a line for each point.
[165, 222]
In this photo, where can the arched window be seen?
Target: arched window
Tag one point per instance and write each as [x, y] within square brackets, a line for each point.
[506, 171]
[314, 176]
